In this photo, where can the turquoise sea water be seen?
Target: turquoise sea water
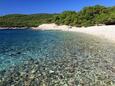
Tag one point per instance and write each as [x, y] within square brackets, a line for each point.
[86, 56]
[19, 45]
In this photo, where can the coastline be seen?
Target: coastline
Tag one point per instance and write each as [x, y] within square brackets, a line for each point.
[5, 28]
[104, 31]
[107, 32]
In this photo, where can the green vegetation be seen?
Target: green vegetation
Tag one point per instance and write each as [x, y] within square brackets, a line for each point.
[19, 20]
[88, 16]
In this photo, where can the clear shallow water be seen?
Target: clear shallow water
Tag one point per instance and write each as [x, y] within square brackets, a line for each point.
[76, 56]
[19, 45]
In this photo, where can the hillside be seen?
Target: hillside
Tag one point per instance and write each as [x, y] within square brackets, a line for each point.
[21, 20]
[88, 16]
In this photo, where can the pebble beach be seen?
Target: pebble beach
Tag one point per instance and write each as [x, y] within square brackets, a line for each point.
[104, 31]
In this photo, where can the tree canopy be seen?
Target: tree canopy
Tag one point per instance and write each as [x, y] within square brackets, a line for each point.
[88, 16]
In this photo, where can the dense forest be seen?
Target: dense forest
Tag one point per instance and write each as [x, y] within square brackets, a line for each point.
[88, 16]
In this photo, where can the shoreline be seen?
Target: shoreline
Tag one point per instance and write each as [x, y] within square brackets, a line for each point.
[10, 28]
[106, 32]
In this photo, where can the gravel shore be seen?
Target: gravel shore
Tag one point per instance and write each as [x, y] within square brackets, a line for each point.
[81, 60]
